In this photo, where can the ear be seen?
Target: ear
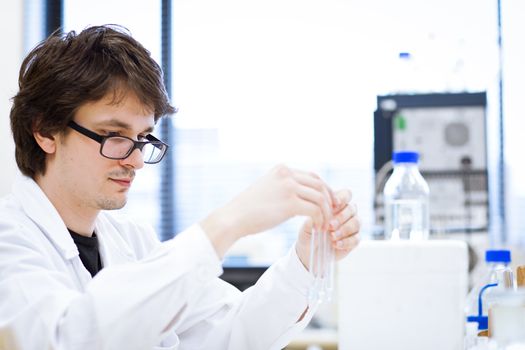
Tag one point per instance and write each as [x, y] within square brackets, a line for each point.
[47, 143]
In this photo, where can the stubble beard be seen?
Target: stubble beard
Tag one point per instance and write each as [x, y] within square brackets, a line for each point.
[111, 203]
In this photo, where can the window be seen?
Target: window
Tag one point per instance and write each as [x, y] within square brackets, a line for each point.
[261, 83]
[295, 82]
[513, 70]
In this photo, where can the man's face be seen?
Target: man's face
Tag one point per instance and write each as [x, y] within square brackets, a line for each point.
[87, 179]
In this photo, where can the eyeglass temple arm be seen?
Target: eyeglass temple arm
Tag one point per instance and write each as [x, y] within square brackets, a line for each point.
[150, 137]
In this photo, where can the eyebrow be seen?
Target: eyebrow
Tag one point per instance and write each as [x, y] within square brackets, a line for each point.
[120, 124]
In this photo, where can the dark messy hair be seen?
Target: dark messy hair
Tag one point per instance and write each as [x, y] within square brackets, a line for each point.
[68, 70]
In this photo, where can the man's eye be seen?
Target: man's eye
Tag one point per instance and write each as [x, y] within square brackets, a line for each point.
[141, 137]
[111, 133]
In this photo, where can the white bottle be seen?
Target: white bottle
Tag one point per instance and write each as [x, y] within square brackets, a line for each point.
[498, 276]
[406, 199]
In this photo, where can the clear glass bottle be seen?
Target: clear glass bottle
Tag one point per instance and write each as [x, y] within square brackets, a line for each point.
[497, 277]
[406, 199]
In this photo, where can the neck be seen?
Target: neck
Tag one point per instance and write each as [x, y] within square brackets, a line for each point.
[77, 217]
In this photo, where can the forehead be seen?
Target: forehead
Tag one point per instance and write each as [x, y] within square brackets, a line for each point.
[118, 108]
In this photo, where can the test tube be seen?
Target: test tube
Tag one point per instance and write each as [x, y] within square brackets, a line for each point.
[321, 267]
[313, 294]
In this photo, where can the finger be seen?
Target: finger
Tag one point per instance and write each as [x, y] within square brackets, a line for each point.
[313, 211]
[350, 228]
[345, 214]
[343, 197]
[347, 243]
[314, 181]
[310, 195]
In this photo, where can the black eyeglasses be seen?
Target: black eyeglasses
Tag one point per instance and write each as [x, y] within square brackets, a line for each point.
[120, 147]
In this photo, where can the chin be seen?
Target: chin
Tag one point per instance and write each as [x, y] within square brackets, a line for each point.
[112, 203]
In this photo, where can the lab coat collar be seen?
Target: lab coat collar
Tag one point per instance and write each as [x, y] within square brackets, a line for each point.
[41, 211]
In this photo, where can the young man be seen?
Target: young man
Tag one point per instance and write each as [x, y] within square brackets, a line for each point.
[73, 276]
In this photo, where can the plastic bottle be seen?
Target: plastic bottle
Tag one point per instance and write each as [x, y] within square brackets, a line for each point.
[406, 76]
[406, 199]
[497, 277]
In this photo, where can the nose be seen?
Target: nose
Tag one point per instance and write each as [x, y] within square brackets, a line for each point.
[135, 160]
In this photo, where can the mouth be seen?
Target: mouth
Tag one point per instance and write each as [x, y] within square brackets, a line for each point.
[124, 182]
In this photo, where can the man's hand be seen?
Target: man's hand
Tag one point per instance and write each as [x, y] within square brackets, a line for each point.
[343, 229]
[276, 197]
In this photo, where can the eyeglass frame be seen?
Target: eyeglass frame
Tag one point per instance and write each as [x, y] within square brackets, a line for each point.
[101, 139]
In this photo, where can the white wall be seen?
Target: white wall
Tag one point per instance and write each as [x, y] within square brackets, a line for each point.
[11, 37]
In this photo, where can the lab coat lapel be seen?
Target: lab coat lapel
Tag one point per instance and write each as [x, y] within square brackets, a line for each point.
[38, 207]
[113, 248]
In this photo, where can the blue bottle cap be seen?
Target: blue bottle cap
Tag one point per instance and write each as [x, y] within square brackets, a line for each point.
[497, 256]
[405, 157]
[404, 55]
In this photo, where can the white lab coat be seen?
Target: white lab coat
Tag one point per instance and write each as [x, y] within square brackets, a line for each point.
[148, 293]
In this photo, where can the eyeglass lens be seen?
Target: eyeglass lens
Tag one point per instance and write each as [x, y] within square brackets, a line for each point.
[120, 147]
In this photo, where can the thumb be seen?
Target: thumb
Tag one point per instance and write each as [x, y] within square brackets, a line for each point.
[303, 242]
[306, 230]
[308, 226]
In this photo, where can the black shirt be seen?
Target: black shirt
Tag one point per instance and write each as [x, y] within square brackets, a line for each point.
[88, 250]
